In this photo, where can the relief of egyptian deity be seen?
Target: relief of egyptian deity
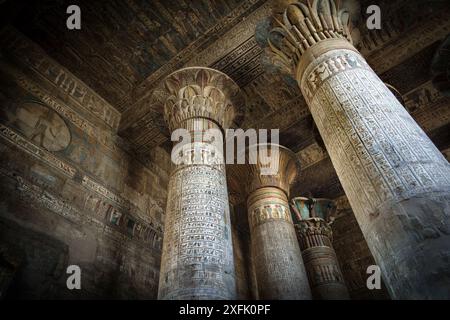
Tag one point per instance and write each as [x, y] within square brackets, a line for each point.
[40, 125]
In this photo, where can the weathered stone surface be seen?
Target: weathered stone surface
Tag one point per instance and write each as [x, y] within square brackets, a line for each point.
[75, 189]
[394, 161]
[276, 257]
[67, 190]
[376, 147]
[314, 233]
[197, 260]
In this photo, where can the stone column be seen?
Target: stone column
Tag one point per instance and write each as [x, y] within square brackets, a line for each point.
[197, 257]
[280, 273]
[315, 237]
[396, 180]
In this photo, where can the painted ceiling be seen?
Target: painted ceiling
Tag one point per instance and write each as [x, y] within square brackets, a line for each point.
[125, 48]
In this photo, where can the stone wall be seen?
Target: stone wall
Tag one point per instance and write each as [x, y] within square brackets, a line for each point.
[71, 191]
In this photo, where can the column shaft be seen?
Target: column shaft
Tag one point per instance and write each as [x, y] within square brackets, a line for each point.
[324, 274]
[278, 263]
[397, 181]
[197, 258]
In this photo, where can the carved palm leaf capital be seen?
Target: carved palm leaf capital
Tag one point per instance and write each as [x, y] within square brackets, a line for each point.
[301, 25]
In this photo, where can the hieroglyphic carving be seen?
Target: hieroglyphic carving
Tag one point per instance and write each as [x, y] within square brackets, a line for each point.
[120, 217]
[93, 185]
[421, 97]
[98, 214]
[435, 27]
[121, 204]
[197, 260]
[269, 212]
[275, 252]
[105, 137]
[233, 38]
[383, 111]
[339, 62]
[15, 43]
[52, 160]
[242, 64]
[381, 156]
[197, 234]
[428, 106]
[36, 151]
[141, 121]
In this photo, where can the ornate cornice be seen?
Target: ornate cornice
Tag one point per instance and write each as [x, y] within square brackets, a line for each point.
[302, 25]
[199, 92]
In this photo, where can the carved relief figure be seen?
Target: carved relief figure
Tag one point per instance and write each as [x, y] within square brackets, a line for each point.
[41, 125]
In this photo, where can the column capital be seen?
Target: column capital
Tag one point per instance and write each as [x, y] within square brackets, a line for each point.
[314, 226]
[200, 92]
[303, 25]
[306, 208]
[253, 176]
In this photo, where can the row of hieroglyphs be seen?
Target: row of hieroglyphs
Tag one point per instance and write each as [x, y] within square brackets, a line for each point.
[311, 155]
[15, 43]
[334, 94]
[115, 214]
[191, 56]
[40, 153]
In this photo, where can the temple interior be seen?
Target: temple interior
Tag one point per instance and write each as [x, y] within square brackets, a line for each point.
[87, 176]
